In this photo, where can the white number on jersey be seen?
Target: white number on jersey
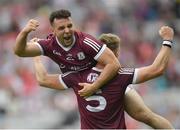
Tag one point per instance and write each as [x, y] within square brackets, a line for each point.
[100, 99]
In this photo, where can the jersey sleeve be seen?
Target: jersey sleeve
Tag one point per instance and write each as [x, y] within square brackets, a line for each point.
[43, 45]
[135, 76]
[92, 47]
[68, 80]
[128, 74]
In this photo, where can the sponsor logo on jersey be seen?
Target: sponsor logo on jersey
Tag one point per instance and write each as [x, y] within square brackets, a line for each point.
[92, 77]
[81, 56]
[56, 53]
[75, 68]
[69, 57]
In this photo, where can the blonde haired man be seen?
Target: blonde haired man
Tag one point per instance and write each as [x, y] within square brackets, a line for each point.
[105, 108]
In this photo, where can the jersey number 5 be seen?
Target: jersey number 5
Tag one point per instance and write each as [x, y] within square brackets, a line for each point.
[100, 99]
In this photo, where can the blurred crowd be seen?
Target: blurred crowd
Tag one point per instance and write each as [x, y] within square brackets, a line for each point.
[23, 104]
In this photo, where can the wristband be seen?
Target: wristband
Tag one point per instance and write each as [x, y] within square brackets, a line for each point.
[167, 43]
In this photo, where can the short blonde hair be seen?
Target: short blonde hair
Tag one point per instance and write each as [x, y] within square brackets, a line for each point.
[111, 40]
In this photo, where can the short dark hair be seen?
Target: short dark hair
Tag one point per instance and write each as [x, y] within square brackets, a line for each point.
[59, 14]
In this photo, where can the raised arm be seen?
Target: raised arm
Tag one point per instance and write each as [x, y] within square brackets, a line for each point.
[22, 48]
[44, 79]
[161, 61]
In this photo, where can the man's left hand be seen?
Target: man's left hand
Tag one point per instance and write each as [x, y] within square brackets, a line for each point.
[87, 90]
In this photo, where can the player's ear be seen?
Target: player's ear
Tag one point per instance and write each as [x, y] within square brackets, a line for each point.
[52, 30]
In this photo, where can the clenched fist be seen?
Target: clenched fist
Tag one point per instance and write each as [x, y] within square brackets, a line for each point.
[31, 26]
[167, 33]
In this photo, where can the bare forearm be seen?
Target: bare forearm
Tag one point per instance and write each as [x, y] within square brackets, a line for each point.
[161, 61]
[157, 68]
[162, 58]
[41, 74]
[44, 79]
[21, 48]
[40, 70]
[50, 81]
[167, 35]
[20, 44]
[107, 74]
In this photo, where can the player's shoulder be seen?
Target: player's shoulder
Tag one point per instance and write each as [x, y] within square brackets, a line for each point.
[83, 35]
[50, 37]
[126, 70]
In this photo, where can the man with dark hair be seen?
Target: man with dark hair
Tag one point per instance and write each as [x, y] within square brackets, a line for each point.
[70, 49]
[62, 14]
[105, 108]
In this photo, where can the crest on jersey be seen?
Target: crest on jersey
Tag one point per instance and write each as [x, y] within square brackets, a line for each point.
[81, 56]
[92, 77]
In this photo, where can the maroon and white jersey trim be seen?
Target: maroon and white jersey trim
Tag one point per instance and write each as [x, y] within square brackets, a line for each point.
[41, 49]
[92, 44]
[62, 82]
[100, 52]
[66, 48]
[124, 71]
[135, 76]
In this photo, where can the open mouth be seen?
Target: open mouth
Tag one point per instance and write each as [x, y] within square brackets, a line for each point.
[67, 37]
[67, 41]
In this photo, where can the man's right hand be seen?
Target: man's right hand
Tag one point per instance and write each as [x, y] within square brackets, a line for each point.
[31, 26]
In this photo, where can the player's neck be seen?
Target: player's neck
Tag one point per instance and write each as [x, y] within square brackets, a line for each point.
[64, 46]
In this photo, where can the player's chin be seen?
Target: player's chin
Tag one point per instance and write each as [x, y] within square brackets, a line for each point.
[67, 42]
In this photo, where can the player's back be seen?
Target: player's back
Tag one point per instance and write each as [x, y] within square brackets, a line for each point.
[105, 109]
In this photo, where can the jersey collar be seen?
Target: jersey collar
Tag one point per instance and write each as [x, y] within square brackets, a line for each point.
[66, 48]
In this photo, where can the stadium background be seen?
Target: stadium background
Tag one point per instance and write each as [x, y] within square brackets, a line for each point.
[23, 104]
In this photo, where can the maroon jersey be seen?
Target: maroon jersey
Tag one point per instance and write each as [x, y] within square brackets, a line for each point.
[81, 55]
[104, 109]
